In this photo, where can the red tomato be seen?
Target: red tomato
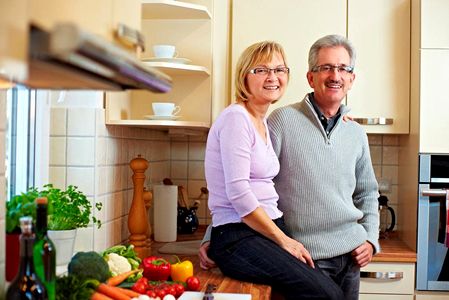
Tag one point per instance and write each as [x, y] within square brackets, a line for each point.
[151, 294]
[193, 283]
[139, 287]
[179, 289]
[171, 290]
[161, 293]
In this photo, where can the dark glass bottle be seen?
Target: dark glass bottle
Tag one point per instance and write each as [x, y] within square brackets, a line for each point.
[26, 285]
[44, 252]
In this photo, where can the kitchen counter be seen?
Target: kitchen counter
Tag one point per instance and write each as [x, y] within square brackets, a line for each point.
[393, 250]
[214, 276]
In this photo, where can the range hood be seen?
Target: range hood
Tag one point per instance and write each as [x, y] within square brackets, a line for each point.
[69, 58]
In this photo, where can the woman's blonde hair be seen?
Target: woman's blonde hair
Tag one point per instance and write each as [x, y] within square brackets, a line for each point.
[252, 56]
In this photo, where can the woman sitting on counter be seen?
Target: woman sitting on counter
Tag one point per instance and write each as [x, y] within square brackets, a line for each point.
[249, 241]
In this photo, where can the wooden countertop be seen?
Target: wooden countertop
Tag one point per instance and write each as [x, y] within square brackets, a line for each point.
[394, 250]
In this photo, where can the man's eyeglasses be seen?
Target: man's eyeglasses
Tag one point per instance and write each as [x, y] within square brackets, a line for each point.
[262, 71]
[330, 68]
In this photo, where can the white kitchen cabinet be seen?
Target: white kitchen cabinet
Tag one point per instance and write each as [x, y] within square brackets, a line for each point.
[190, 27]
[401, 288]
[435, 24]
[296, 25]
[434, 102]
[382, 41]
[100, 17]
[13, 41]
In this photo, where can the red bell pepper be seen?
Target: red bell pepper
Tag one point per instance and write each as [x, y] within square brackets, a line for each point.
[156, 268]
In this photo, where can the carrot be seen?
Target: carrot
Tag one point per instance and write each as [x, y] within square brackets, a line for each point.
[116, 280]
[128, 292]
[112, 291]
[99, 296]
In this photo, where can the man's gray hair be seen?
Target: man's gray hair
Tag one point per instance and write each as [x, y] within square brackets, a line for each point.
[330, 41]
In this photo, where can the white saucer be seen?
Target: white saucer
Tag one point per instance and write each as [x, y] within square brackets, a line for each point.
[154, 117]
[177, 60]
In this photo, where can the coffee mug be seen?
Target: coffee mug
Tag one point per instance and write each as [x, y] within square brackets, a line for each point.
[164, 51]
[165, 109]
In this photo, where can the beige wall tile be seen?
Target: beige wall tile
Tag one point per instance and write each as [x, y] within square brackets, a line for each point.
[83, 178]
[196, 170]
[100, 123]
[84, 239]
[102, 214]
[376, 154]
[58, 151]
[3, 196]
[2, 110]
[58, 121]
[390, 155]
[160, 151]
[378, 171]
[390, 173]
[80, 151]
[101, 238]
[57, 176]
[390, 140]
[197, 151]
[178, 170]
[375, 139]
[100, 151]
[179, 150]
[81, 122]
[158, 171]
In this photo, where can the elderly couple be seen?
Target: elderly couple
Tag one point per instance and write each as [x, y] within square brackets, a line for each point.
[293, 197]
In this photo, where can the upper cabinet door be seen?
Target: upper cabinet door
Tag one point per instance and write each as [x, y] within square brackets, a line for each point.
[382, 41]
[434, 24]
[296, 25]
[13, 41]
[99, 17]
[434, 122]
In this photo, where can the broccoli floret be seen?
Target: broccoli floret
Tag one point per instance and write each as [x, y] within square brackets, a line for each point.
[89, 265]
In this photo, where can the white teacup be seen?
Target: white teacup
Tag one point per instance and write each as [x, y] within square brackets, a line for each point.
[165, 109]
[164, 51]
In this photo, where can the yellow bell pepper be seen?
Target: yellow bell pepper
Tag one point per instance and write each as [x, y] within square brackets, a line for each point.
[181, 270]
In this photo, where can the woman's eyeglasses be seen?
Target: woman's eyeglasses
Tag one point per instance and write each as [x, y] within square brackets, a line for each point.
[263, 71]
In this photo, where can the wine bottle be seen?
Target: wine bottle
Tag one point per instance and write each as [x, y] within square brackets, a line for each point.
[44, 252]
[26, 285]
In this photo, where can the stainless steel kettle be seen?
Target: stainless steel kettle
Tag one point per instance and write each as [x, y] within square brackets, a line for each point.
[387, 217]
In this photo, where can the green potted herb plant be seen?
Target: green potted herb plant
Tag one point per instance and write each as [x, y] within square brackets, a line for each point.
[68, 210]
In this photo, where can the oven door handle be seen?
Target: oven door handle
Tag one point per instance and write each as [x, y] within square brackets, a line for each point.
[433, 192]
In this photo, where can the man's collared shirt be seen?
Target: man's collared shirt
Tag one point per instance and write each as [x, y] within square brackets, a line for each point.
[327, 123]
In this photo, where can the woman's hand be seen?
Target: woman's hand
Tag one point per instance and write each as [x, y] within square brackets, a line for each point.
[297, 249]
[347, 118]
[205, 262]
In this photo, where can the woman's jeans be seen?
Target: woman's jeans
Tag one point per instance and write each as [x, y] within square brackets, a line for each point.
[246, 255]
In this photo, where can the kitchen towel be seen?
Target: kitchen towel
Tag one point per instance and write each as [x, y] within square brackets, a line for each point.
[165, 212]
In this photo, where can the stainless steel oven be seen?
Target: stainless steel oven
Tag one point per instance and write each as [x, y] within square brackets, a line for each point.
[433, 255]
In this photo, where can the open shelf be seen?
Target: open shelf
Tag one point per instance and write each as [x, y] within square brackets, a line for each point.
[171, 9]
[175, 127]
[178, 69]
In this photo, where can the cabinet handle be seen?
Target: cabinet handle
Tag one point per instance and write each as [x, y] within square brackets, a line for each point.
[382, 275]
[374, 121]
[434, 193]
[130, 37]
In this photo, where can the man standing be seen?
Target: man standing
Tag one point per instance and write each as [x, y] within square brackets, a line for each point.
[326, 184]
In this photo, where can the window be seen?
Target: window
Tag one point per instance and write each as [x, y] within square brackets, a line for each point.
[26, 137]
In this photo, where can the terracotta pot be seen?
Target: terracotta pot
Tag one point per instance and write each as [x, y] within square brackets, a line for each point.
[12, 255]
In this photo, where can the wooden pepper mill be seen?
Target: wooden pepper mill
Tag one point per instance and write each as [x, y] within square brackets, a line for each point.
[147, 198]
[138, 218]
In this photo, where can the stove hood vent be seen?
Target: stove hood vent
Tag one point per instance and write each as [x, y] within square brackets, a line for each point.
[70, 59]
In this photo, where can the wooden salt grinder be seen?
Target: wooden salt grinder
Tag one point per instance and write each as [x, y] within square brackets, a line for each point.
[137, 217]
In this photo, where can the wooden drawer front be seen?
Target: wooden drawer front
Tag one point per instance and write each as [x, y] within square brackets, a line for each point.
[385, 297]
[405, 285]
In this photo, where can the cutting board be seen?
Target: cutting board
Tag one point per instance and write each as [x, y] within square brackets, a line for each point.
[217, 296]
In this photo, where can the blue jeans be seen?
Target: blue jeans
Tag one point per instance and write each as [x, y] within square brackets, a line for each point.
[344, 272]
[246, 255]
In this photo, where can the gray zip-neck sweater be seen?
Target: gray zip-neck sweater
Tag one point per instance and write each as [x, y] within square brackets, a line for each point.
[326, 185]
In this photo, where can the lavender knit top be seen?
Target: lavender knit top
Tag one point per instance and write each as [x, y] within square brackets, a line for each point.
[239, 168]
